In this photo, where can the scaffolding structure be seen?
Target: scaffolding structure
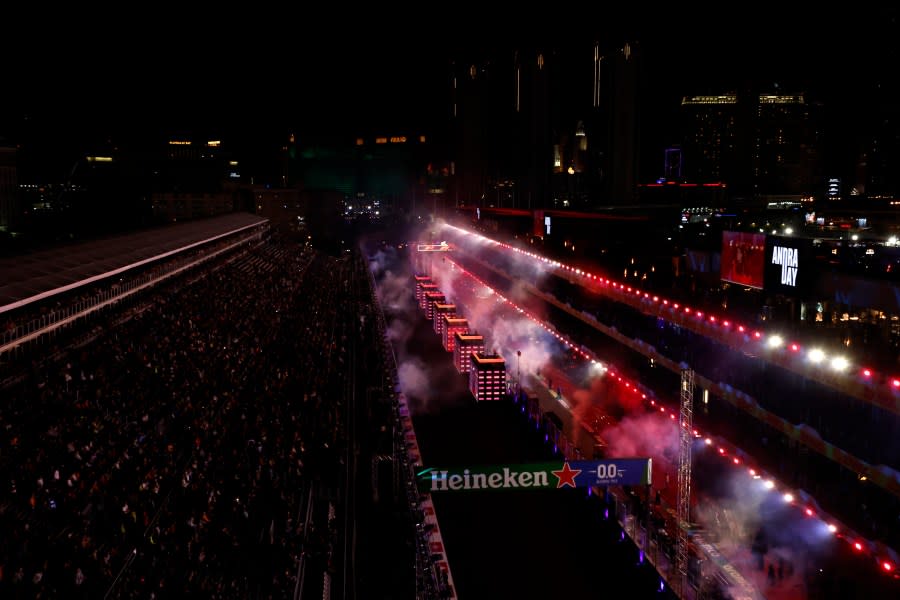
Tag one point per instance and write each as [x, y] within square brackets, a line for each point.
[685, 439]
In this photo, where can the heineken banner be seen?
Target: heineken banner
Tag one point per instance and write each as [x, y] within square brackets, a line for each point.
[551, 475]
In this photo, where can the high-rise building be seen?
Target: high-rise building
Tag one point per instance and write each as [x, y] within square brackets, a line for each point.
[625, 127]
[710, 143]
[878, 173]
[9, 188]
[756, 144]
[547, 127]
[786, 153]
[471, 98]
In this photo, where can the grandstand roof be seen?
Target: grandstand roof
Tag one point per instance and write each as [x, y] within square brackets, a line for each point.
[31, 277]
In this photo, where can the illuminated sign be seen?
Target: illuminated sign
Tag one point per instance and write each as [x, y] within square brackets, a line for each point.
[399, 139]
[787, 266]
[381, 140]
[99, 158]
[550, 475]
[214, 143]
[442, 247]
[547, 224]
[179, 142]
[788, 259]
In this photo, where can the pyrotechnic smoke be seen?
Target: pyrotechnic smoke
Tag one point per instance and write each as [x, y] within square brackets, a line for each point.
[647, 434]
[395, 292]
[414, 380]
[504, 333]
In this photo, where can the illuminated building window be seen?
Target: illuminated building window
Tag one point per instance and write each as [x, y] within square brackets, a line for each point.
[720, 99]
[540, 61]
[381, 140]
[775, 99]
[360, 141]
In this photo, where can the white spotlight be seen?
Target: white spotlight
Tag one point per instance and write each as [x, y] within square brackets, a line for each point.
[839, 363]
[788, 498]
[769, 484]
[816, 356]
[775, 341]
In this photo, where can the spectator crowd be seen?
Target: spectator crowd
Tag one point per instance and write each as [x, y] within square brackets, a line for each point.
[169, 456]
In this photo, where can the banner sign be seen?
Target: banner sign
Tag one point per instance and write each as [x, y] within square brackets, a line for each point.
[550, 475]
[743, 258]
[790, 267]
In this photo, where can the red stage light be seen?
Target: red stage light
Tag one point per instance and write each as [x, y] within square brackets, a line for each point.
[741, 328]
[857, 545]
[896, 382]
[887, 566]
[867, 373]
[809, 512]
[795, 347]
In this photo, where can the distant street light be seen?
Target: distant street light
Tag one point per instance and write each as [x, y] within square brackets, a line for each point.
[518, 371]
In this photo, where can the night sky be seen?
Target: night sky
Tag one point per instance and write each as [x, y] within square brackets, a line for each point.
[254, 76]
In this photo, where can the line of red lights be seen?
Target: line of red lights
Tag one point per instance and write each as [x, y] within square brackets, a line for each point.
[774, 341]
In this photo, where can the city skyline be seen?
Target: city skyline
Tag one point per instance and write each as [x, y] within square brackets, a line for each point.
[268, 83]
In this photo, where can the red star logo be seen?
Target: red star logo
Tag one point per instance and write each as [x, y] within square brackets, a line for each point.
[566, 476]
